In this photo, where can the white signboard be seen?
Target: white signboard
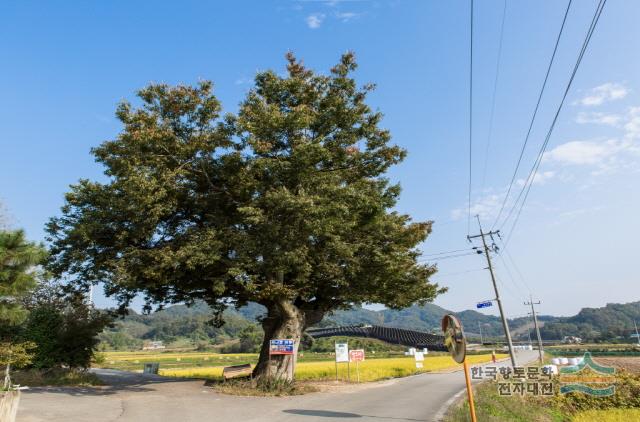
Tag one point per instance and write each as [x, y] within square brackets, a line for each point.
[342, 352]
[419, 356]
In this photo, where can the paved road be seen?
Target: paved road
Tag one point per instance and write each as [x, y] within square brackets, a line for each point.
[146, 398]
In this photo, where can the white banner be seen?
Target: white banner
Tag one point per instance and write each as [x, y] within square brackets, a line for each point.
[342, 352]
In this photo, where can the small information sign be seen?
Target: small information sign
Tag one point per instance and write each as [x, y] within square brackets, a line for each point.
[281, 346]
[356, 355]
[342, 352]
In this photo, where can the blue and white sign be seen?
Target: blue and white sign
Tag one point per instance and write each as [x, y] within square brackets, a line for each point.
[281, 346]
[484, 304]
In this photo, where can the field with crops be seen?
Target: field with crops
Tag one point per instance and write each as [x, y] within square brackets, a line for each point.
[311, 366]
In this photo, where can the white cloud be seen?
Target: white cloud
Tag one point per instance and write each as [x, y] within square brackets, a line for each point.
[604, 93]
[486, 207]
[632, 125]
[315, 20]
[588, 152]
[608, 119]
[540, 178]
[243, 80]
[346, 16]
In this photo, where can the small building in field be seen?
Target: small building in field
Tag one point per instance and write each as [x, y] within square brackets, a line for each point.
[154, 345]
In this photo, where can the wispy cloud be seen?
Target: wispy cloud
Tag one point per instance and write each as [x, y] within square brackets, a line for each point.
[608, 119]
[618, 152]
[586, 152]
[632, 125]
[243, 80]
[540, 178]
[314, 21]
[347, 16]
[604, 93]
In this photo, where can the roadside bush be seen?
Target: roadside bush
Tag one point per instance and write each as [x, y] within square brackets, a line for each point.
[63, 327]
[627, 395]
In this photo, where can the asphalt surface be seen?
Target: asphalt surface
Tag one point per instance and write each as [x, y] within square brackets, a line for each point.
[132, 397]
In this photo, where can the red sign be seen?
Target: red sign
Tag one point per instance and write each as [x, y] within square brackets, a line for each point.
[356, 355]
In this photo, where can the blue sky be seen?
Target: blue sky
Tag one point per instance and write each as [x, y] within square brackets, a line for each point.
[66, 65]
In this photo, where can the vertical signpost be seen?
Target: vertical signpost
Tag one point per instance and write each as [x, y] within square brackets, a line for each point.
[419, 356]
[456, 343]
[342, 355]
[357, 356]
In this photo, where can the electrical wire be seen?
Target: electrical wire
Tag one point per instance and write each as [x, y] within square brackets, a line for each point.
[533, 117]
[448, 257]
[447, 252]
[458, 272]
[534, 170]
[470, 114]
[493, 97]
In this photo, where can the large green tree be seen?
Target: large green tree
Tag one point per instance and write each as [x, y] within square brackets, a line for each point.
[284, 203]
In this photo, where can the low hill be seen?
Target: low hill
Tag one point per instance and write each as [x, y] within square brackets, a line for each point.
[191, 325]
[614, 321]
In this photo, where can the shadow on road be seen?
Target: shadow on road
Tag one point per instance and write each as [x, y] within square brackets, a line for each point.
[116, 382]
[332, 414]
[323, 413]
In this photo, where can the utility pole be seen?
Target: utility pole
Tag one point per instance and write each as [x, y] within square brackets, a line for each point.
[505, 324]
[637, 336]
[480, 327]
[535, 323]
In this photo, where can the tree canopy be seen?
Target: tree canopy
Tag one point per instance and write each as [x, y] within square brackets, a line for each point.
[284, 203]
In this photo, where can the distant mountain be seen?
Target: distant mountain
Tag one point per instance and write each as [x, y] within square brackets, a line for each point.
[191, 324]
[614, 321]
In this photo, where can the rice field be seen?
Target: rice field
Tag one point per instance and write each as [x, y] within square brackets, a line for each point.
[370, 370]
[134, 361]
[609, 415]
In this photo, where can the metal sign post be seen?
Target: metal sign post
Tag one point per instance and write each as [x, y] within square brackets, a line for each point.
[342, 355]
[455, 341]
[357, 356]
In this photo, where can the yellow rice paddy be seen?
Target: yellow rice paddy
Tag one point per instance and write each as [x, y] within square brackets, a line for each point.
[370, 370]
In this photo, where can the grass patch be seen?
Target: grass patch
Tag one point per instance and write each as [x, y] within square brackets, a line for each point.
[609, 415]
[624, 405]
[54, 377]
[492, 407]
[267, 388]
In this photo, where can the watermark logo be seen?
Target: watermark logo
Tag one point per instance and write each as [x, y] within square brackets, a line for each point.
[588, 377]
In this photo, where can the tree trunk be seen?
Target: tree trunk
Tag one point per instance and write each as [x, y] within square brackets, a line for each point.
[283, 321]
[7, 377]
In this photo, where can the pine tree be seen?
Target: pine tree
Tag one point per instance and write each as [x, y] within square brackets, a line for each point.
[19, 260]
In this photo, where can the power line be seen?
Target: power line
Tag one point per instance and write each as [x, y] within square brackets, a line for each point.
[534, 170]
[510, 275]
[449, 257]
[458, 272]
[513, 263]
[470, 113]
[533, 117]
[493, 97]
[447, 252]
